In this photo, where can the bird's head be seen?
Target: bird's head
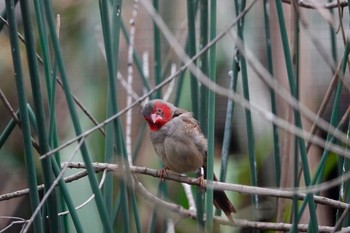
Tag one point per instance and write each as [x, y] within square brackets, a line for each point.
[157, 113]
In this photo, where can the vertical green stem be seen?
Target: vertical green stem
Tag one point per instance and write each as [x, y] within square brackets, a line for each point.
[65, 193]
[28, 152]
[276, 144]
[203, 97]
[8, 130]
[112, 63]
[249, 123]
[76, 123]
[297, 117]
[228, 124]
[228, 121]
[203, 91]
[4, 15]
[191, 19]
[157, 53]
[296, 144]
[211, 119]
[52, 203]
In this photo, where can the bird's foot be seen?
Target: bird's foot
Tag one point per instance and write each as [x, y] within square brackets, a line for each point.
[201, 178]
[162, 172]
[201, 182]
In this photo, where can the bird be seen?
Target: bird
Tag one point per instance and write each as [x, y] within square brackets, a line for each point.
[180, 144]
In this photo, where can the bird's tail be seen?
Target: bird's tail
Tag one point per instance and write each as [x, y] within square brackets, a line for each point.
[222, 202]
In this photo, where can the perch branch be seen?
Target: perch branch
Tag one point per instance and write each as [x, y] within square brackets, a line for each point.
[329, 5]
[278, 193]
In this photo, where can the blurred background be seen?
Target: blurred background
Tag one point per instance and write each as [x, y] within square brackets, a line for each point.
[257, 153]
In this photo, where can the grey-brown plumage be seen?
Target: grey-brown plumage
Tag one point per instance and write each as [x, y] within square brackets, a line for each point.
[178, 141]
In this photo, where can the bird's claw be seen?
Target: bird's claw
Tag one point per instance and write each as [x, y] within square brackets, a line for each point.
[201, 182]
[162, 172]
[201, 178]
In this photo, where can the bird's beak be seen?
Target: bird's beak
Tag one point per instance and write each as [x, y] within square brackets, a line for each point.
[155, 117]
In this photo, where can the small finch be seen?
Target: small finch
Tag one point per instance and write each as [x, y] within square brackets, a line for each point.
[178, 141]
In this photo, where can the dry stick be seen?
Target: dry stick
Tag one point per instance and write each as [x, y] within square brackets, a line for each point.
[129, 98]
[145, 96]
[221, 220]
[279, 193]
[225, 92]
[322, 108]
[341, 28]
[120, 77]
[99, 167]
[315, 40]
[90, 198]
[24, 192]
[285, 193]
[262, 72]
[338, 224]
[50, 189]
[324, 103]
[16, 220]
[334, 4]
[347, 209]
[15, 117]
[313, 131]
[76, 100]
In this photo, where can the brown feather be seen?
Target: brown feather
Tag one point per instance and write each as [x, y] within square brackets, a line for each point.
[222, 202]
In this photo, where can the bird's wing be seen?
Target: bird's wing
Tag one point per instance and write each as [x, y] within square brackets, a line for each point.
[179, 111]
[191, 122]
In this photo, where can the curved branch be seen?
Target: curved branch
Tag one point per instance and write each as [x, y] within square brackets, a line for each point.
[99, 167]
[185, 213]
[329, 5]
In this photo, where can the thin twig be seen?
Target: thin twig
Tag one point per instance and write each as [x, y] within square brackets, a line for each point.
[171, 84]
[280, 192]
[262, 72]
[90, 198]
[49, 190]
[16, 220]
[188, 63]
[15, 117]
[273, 192]
[130, 69]
[324, 103]
[179, 210]
[329, 5]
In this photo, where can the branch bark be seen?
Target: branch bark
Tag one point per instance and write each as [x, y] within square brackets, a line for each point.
[329, 5]
[185, 213]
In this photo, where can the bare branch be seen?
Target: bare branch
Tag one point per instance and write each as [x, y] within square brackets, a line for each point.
[100, 167]
[309, 5]
[273, 192]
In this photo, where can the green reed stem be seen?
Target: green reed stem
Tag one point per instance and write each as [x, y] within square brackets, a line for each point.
[4, 15]
[204, 65]
[76, 123]
[228, 123]
[52, 202]
[28, 152]
[296, 66]
[191, 51]
[8, 130]
[211, 119]
[276, 143]
[297, 117]
[62, 185]
[249, 123]
[157, 53]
